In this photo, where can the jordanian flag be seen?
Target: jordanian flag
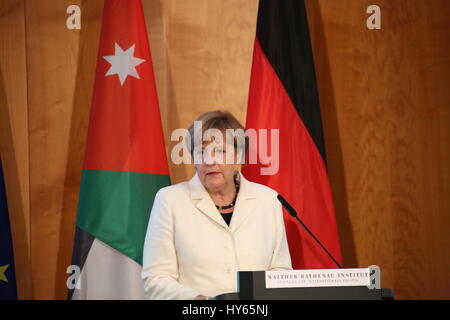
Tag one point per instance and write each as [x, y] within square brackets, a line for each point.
[283, 95]
[125, 160]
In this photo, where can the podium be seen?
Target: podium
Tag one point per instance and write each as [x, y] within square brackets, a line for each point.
[252, 286]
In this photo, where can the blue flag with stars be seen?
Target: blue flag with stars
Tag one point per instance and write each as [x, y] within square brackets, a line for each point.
[8, 289]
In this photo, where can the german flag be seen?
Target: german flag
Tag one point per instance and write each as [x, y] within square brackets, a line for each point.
[283, 95]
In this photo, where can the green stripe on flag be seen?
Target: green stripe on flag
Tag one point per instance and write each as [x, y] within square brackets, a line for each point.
[115, 207]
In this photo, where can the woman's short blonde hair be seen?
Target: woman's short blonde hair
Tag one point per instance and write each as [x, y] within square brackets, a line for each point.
[221, 120]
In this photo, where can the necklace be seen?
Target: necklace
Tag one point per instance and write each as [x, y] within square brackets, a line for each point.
[231, 205]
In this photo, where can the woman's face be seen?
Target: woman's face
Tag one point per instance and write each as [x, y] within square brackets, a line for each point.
[218, 165]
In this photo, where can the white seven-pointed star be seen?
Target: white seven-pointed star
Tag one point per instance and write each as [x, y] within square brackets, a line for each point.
[123, 63]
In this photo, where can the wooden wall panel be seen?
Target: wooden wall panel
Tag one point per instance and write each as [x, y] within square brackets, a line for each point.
[386, 115]
[209, 47]
[83, 80]
[52, 55]
[14, 135]
[384, 99]
[156, 21]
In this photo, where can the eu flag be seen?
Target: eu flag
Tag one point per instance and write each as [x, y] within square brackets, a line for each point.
[8, 290]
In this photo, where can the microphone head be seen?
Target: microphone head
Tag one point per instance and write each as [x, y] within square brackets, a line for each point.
[288, 207]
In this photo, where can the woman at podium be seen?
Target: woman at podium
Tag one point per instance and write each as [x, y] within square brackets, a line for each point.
[202, 231]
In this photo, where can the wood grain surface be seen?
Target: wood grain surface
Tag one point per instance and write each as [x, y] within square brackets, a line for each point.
[386, 112]
[385, 105]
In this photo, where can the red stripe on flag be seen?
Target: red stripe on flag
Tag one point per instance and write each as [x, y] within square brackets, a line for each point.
[125, 131]
[302, 177]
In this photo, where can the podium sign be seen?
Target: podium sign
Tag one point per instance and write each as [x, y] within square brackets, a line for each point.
[318, 278]
[327, 284]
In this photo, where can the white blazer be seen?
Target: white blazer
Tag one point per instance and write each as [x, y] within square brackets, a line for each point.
[190, 250]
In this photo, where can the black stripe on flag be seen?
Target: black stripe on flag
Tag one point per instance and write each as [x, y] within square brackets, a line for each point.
[82, 246]
[283, 34]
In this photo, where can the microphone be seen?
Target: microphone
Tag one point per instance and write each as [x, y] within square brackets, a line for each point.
[293, 213]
